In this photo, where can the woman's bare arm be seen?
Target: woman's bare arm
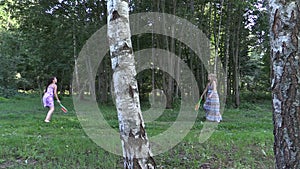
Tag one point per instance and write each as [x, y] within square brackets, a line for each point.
[205, 90]
[214, 85]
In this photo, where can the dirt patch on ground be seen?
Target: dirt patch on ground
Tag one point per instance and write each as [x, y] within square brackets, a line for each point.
[17, 162]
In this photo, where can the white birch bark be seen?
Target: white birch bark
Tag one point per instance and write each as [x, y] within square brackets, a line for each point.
[75, 55]
[217, 37]
[135, 144]
[285, 52]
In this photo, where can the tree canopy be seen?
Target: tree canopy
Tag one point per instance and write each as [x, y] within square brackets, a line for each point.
[39, 39]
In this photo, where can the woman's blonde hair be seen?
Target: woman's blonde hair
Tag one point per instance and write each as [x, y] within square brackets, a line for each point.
[213, 76]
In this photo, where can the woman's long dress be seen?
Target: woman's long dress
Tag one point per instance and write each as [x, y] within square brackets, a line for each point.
[212, 106]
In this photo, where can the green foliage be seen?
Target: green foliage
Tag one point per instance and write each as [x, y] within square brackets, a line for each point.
[255, 97]
[9, 47]
[254, 76]
[2, 99]
[6, 11]
[47, 37]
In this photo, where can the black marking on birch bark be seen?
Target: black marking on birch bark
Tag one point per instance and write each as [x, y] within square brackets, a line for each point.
[292, 19]
[283, 2]
[294, 37]
[131, 90]
[131, 134]
[127, 163]
[150, 160]
[115, 15]
[136, 164]
[127, 48]
[283, 47]
[114, 54]
[142, 131]
[277, 56]
[293, 86]
[117, 65]
[276, 23]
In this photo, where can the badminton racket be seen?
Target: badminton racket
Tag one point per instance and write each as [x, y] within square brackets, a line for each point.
[198, 105]
[63, 108]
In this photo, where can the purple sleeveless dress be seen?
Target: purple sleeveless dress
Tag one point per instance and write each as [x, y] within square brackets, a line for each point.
[48, 98]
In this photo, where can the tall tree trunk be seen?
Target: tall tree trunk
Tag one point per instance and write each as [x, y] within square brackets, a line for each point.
[284, 34]
[209, 19]
[178, 68]
[75, 56]
[154, 40]
[231, 66]
[191, 54]
[92, 90]
[103, 81]
[75, 52]
[168, 83]
[237, 65]
[135, 144]
[227, 43]
[201, 71]
[217, 34]
[153, 66]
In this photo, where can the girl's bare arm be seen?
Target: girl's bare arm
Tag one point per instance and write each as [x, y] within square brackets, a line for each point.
[55, 93]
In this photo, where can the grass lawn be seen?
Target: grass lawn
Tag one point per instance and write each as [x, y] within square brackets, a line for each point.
[243, 140]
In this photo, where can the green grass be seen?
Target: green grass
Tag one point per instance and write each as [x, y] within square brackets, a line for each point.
[243, 140]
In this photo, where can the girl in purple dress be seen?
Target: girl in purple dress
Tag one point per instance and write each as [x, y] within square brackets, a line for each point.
[48, 97]
[212, 103]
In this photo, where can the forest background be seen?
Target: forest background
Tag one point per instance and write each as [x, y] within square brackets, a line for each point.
[40, 39]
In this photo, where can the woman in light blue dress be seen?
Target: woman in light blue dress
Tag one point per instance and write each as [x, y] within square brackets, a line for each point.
[48, 97]
[212, 102]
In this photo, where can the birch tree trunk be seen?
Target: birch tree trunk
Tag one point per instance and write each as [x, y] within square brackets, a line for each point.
[135, 144]
[91, 75]
[75, 53]
[284, 39]
[217, 34]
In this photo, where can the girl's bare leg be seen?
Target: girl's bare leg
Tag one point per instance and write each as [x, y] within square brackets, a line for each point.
[49, 114]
